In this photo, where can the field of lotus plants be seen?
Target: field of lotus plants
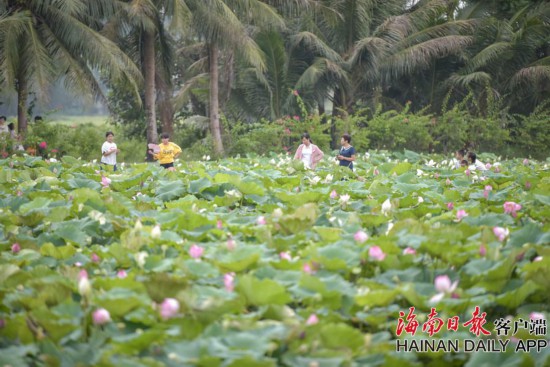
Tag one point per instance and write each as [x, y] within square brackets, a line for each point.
[254, 261]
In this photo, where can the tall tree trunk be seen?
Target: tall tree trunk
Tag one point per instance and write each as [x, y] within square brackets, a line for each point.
[149, 78]
[166, 108]
[215, 127]
[22, 94]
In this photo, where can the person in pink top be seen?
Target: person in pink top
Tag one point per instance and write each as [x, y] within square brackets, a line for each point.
[308, 153]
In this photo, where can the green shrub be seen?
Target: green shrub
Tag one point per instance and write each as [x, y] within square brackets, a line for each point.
[530, 133]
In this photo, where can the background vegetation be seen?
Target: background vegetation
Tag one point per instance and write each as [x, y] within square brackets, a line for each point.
[226, 76]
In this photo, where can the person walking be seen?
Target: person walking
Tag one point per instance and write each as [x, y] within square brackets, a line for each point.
[167, 152]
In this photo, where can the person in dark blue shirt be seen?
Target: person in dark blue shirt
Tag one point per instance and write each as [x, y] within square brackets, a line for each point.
[346, 156]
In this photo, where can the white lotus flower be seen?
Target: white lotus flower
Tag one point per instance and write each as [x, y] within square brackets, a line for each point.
[419, 172]
[420, 200]
[315, 180]
[390, 226]
[344, 199]
[155, 232]
[138, 226]
[140, 258]
[277, 213]
[328, 179]
[233, 193]
[386, 207]
[84, 286]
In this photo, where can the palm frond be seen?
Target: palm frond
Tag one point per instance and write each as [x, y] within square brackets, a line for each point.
[316, 45]
[488, 55]
[419, 57]
[182, 96]
[467, 80]
[532, 75]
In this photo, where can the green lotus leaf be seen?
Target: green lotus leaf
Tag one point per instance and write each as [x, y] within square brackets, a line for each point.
[169, 190]
[530, 233]
[262, 292]
[242, 258]
[59, 252]
[341, 336]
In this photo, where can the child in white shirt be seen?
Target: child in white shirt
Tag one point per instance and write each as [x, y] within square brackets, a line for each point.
[109, 151]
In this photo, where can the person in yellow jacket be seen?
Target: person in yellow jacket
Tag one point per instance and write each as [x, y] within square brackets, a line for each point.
[166, 153]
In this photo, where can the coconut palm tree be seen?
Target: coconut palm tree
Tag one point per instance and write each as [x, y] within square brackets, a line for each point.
[42, 40]
[222, 26]
[140, 27]
[405, 56]
[510, 55]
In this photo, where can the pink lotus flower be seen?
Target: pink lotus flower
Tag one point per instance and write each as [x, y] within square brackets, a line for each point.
[360, 236]
[261, 220]
[333, 194]
[307, 268]
[121, 274]
[526, 162]
[15, 248]
[436, 175]
[488, 165]
[78, 264]
[467, 172]
[219, 224]
[228, 280]
[296, 117]
[101, 316]
[231, 244]
[488, 188]
[448, 182]
[376, 253]
[511, 208]
[82, 274]
[409, 251]
[105, 181]
[196, 251]
[169, 308]
[536, 316]
[376, 172]
[43, 145]
[450, 206]
[443, 284]
[461, 214]
[95, 258]
[538, 258]
[497, 169]
[285, 255]
[312, 320]
[501, 233]
[482, 250]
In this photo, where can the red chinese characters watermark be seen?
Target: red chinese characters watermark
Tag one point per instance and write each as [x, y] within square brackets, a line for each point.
[412, 323]
[434, 324]
[476, 323]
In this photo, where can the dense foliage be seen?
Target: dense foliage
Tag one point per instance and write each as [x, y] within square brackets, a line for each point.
[242, 60]
[256, 262]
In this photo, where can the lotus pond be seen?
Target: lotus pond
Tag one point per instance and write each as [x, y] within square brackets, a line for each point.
[256, 262]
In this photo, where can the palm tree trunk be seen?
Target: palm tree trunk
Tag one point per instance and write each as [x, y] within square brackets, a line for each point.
[22, 94]
[166, 108]
[215, 127]
[149, 77]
